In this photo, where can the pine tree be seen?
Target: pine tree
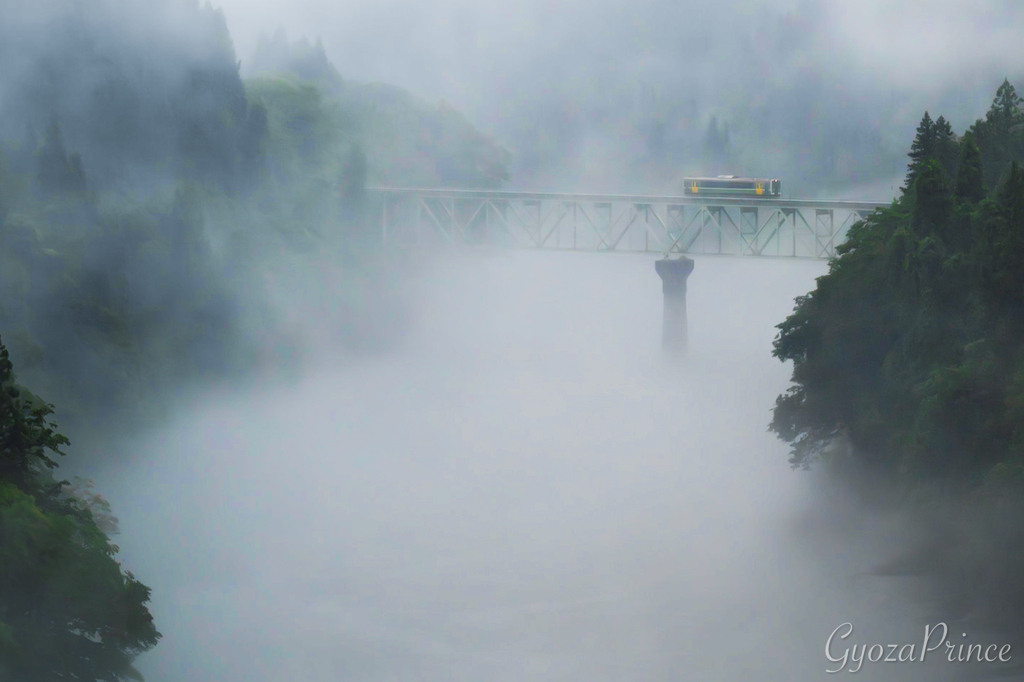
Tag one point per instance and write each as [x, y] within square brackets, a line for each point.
[999, 135]
[945, 146]
[923, 148]
[931, 199]
[1005, 110]
[970, 180]
[52, 160]
[1011, 199]
[56, 171]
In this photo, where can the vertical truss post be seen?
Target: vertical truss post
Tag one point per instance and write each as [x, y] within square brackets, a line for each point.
[574, 205]
[419, 212]
[455, 223]
[748, 229]
[824, 232]
[790, 217]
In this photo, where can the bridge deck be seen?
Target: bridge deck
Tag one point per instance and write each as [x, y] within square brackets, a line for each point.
[738, 226]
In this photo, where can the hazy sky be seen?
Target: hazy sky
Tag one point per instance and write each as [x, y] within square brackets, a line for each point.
[464, 51]
[627, 86]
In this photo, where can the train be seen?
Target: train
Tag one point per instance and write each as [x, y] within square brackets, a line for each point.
[730, 186]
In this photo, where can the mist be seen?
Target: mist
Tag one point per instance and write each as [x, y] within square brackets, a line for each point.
[606, 97]
[526, 489]
[467, 464]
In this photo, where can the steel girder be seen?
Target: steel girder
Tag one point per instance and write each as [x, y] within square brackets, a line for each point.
[625, 223]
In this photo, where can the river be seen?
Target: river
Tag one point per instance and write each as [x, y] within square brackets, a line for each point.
[523, 490]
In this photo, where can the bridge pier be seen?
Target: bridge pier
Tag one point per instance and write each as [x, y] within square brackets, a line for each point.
[673, 275]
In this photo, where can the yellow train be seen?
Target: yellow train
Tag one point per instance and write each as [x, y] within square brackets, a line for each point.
[730, 185]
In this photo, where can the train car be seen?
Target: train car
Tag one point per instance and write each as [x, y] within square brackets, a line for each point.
[730, 186]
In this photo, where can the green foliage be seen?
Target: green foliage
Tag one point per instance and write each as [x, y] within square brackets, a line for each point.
[1000, 136]
[935, 141]
[970, 176]
[946, 148]
[66, 608]
[912, 345]
[922, 148]
[25, 435]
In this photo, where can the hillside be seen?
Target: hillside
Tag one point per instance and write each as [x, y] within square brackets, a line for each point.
[911, 350]
[154, 205]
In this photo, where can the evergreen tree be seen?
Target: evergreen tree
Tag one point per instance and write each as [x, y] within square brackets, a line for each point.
[1000, 136]
[945, 146]
[931, 199]
[52, 160]
[1001, 245]
[1011, 199]
[970, 181]
[56, 171]
[921, 149]
[1005, 110]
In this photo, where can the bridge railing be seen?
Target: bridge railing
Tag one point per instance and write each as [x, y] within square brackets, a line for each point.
[631, 223]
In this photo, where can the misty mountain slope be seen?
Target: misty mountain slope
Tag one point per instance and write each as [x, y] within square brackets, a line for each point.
[524, 491]
[151, 201]
[408, 142]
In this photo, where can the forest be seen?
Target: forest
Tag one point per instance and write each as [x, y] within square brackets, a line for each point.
[908, 355]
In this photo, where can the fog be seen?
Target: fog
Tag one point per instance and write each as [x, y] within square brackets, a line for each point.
[475, 466]
[617, 97]
[526, 489]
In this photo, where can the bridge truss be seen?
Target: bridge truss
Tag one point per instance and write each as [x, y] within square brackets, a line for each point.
[595, 222]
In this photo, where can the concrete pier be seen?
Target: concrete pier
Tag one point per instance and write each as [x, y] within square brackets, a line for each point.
[673, 275]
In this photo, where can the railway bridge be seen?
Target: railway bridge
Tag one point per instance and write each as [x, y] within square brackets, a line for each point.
[684, 225]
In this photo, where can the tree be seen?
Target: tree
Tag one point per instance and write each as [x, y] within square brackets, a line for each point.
[1005, 110]
[931, 199]
[921, 149]
[1000, 136]
[970, 181]
[912, 345]
[56, 171]
[945, 146]
[67, 611]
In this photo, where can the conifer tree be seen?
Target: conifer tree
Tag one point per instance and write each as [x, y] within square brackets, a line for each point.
[1000, 136]
[922, 148]
[970, 181]
[56, 171]
[53, 159]
[1011, 199]
[1005, 110]
[931, 199]
[945, 146]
